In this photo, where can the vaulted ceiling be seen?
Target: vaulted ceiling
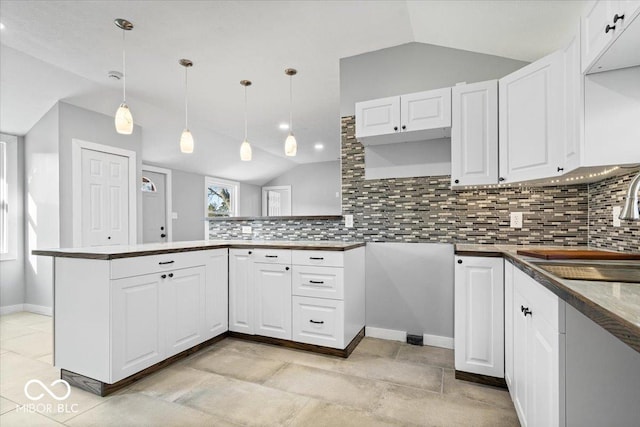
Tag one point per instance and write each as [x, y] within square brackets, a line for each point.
[63, 50]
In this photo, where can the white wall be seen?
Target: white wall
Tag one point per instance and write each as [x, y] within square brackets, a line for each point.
[42, 207]
[315, 188]
[12, 270]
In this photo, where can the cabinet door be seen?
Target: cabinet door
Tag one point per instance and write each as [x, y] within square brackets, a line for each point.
[184, 309]
[521, 356]
[531, 125]
[318, 321]
[272, 284]
[425, 110]
[479, 311]
[378, 117]
[137, 339]
[595, 38]
[573, 106]
[508, 325]
[241, 296]
[474, 134]
[216, 294]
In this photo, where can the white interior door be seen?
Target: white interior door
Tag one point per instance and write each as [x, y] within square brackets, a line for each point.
[105, 198]
[276, 201]
[154, 207]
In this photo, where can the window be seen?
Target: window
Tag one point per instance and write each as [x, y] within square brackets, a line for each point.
[8, 197]
[148, 186]
[221, 198]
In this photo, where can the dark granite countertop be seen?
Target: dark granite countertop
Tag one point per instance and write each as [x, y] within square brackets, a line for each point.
[130, 251]
[613, 305]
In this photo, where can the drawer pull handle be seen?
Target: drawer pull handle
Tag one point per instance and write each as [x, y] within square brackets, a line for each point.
[316, 282]
[319, 258]
[316, 322]
[166, 262]
[271, 256]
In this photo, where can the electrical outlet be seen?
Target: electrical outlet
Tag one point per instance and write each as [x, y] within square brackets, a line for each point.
[348, 221]
[616, 216]
[246, 229]
[516, 219]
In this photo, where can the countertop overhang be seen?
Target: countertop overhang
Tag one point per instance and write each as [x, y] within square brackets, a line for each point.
[130, 251]
[614, 306]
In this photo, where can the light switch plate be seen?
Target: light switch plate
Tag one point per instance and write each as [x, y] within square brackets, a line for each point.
[348, 221]
[174, 215]
[516, 219]
[616, 216]
[246, 229]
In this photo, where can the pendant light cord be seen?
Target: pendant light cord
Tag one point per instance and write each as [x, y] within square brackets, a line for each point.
[290, 104]
[245, 113]
[186, 105]
[124, 72]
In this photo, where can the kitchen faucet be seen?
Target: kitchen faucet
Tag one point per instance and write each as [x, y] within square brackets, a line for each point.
[631, 210]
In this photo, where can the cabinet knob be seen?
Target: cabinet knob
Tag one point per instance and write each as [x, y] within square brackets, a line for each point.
[163, 235]
[109, 237]
[609, 28]
[525, 310]
[617, 18]
[170, 274]
[164, 276]
[457, 181]
[250, 252]
[560, 169]
[286, 268]
[404, 127]
[501, 179]
[459, 261]
[395, 128]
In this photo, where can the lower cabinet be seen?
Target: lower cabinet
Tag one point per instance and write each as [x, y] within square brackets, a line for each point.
[508, 325]
[318, 321]
[272, 303]
[537, 383]
[479, 325]
[241, 291]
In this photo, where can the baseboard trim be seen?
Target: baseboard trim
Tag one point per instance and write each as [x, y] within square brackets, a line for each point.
[386, 334]
[438, 341]
[8, 309]
[38, 309]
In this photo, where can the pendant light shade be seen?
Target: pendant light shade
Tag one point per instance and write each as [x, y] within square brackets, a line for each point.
[124, 119]
[245, 147]
[290, 144]
[186, 139]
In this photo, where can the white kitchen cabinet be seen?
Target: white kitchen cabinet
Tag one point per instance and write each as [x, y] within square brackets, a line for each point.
[532, 120]
[137, 325]
[538, 353]
[410, 117]
[319, 321]
[479, 315]
[609, 35]
[241, 301]
[573, 118]
[272, 304]
[135, 312]
[508, 325]
[474, 134]
[183, 309]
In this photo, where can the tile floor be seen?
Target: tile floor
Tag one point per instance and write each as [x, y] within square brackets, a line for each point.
[239, 383]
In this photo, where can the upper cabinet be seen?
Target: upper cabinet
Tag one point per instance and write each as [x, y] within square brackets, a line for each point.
[610, 35]
[531, 124]
[474, 134]
[412, 117]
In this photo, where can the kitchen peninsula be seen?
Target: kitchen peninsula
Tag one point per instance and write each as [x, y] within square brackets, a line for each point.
[122, 312]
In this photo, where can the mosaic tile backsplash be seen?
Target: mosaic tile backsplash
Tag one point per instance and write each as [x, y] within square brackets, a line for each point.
[425, 209]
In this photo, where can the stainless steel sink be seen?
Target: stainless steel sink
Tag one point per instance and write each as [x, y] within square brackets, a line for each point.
[599, 271]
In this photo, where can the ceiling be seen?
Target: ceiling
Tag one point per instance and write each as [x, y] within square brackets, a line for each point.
[63, 50]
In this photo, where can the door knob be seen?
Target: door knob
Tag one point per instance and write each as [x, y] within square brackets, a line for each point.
[163, 235]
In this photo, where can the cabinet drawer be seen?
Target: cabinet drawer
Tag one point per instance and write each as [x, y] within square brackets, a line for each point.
[318, 321]
[136, 266]
[544, 303]
[320, 258]
[272, 256]
[322, 282]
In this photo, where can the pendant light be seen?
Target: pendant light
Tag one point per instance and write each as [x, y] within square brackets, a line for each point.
[290, 144]
[186, 139]
[124, 120]
[245, 147]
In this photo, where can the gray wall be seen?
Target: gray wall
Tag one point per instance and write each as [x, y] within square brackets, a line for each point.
[188, 203]
[414, 67]
[12, 271]
[78, 123]
[250, 200]
[315, 188]
[410, 287]
[42, 207]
